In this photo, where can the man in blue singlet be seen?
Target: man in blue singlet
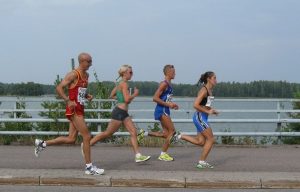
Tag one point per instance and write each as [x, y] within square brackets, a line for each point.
[163, 98]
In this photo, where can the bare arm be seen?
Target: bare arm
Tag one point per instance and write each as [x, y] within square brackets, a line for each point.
[67, 81]
[201, 94]
[113, 93]
[127, 97]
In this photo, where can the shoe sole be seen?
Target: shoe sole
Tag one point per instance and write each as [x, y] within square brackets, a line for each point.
[36, 153]
[138, 161]
[165, 160]
[88, 173]
[204, 167]
[36, 146]
[173, 139]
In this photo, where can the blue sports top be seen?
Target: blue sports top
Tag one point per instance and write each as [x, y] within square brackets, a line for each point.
[166, 96]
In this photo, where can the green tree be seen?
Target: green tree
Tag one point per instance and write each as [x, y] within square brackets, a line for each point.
[55, 111]
[2, 90]
[293, 127]
[17, 126]
[100, 92]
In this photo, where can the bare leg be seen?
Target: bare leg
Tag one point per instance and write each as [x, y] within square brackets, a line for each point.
[156, 134]
[113, 126]
[70, 139]
[80, 125]
[168, 131]
[133, 135]
[208, 134]
[198, 140]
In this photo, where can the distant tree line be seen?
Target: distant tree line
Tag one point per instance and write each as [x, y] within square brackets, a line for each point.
[25, 89]
[266, 89]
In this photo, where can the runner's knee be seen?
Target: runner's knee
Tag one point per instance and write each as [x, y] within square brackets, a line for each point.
[87, 136]
[70, 140]
[132, 132]
[210, 140]
[201, 142]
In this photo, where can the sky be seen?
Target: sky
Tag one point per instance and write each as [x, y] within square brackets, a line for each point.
[240, 40]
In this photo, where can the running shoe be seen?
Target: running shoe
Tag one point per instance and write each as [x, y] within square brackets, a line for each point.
[93, 170]
[204, 165]
[165, 157]
[38, 147]
[174, 138]
[142, 158]
[140, 136]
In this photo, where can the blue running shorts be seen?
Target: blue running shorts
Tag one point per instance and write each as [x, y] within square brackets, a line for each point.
[200, 121]
[159, 111]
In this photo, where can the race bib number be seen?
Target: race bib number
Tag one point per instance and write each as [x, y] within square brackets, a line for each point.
[210, 100]
[169, 98]
[81, 95]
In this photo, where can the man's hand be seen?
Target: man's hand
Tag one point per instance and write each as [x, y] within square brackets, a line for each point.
[89, 97]
[173, 105]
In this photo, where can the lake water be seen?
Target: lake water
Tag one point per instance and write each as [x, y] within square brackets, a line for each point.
[186, 112]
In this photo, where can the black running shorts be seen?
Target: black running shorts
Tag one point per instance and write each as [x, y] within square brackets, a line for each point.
[119, 114]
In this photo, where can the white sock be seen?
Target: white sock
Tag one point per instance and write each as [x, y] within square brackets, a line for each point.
[179, 136]
[138, 155]
[88, 165]
[162, 153]
[44, 144]
[201, 162]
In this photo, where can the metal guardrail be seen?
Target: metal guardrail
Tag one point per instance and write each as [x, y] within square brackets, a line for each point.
[277, 120]
[40, 120]
[278, 134]
[153, 121]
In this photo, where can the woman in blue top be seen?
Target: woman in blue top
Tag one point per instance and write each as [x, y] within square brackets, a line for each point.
[163, 98]
[203, 106]
[120, 112]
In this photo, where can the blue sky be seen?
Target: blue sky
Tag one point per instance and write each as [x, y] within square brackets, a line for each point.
[241, 40]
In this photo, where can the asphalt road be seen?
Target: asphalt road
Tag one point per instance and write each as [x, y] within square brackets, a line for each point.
[11, 188]
[281, 158]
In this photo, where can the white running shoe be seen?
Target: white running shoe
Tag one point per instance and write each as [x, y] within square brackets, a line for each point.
[93, 170]
[175, 137]
[38, 147]
[204, 165]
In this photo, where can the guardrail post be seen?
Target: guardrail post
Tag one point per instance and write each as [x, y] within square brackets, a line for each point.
[99, 127]
[189, 107]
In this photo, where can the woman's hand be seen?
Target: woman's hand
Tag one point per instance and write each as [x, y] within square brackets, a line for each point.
[212, 111]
